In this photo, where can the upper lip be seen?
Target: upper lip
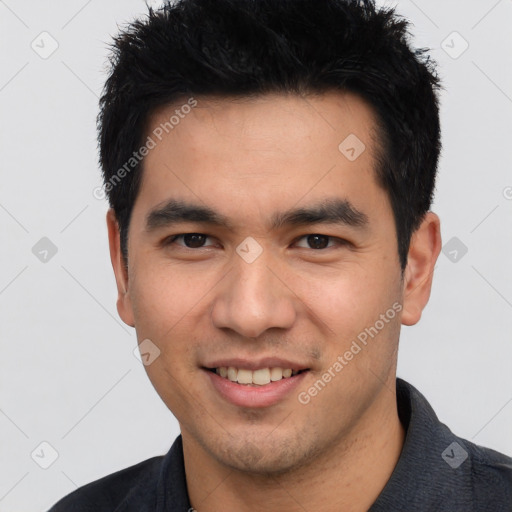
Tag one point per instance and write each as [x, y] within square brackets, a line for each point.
[256, 364]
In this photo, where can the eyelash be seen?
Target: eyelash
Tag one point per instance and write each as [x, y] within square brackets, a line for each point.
[338, 241]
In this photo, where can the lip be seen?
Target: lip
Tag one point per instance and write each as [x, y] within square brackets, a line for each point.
[253, 365]
[254, 396]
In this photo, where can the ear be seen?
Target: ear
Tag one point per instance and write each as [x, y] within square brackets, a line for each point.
[124, 305]
[424, 249]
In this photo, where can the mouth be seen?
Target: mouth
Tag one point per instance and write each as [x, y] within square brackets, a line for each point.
[257, 387]
[259, 377]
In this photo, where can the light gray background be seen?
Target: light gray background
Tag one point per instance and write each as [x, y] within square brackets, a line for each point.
[68, 375]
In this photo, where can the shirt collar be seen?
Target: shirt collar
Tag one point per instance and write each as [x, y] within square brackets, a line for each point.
[419, 468]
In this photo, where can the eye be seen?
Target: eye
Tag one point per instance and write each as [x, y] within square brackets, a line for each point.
[318, 241]
[190, 240]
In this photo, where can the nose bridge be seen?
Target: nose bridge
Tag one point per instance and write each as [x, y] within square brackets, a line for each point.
[253, 299]
[253, 283]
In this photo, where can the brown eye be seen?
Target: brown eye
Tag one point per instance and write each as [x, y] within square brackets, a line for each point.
[190, 240]
[315, 241]
[194, 240]
[318, 241]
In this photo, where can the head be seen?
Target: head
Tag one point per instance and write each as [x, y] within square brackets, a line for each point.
[270, 174]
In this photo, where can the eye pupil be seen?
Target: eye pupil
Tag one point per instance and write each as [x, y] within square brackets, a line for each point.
[194, 240]
[318, 241]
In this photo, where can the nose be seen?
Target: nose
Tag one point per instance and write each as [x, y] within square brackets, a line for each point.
[254, 298]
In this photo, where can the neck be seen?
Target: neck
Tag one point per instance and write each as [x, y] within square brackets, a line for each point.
[350, 476]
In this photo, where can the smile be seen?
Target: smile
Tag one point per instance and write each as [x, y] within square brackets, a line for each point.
[260, 377]
[257, 387]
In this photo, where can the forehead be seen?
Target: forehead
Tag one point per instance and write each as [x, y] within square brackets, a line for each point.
[247, 154]
[279, 123]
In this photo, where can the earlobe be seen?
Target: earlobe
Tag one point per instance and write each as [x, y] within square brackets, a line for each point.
[124, 306]
[424, 250]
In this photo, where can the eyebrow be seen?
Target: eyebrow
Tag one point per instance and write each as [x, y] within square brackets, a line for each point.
[328, 211]
[175, 211]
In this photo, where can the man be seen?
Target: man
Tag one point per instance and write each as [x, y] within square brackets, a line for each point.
[270, 167]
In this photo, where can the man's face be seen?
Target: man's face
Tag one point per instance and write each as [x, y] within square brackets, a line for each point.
[269, 169]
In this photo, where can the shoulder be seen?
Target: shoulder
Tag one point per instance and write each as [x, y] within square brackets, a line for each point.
[491, 475]
[438, 470]
[109, 493]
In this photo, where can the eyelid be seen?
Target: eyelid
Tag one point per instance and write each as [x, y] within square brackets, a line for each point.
[336, 241]
[172, 240]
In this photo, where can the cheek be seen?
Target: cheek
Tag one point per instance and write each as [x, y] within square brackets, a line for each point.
[160, 298]
[348, 300]
[171, 306]
[167, 308]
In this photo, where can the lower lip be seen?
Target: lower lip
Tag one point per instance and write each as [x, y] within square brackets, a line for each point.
[255, 396]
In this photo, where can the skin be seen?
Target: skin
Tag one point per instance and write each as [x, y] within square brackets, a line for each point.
[249, 159]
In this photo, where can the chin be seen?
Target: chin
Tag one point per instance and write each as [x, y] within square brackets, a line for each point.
[264, 457]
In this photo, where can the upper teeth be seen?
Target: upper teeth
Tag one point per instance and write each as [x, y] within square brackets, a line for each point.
[259, 377]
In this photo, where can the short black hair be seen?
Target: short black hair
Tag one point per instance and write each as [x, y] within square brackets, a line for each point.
[230, 48]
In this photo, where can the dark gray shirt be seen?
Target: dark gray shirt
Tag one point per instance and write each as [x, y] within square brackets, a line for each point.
[437, 472]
